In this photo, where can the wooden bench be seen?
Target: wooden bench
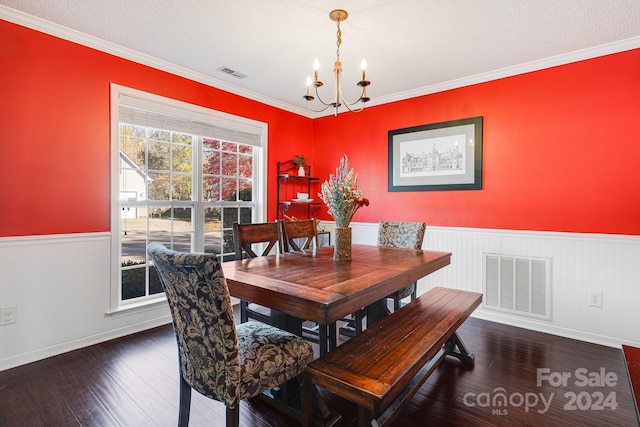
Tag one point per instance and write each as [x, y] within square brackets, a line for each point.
[381, 368]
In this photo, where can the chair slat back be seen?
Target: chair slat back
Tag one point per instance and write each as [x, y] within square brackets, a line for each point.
[245, 235]
[300, 229]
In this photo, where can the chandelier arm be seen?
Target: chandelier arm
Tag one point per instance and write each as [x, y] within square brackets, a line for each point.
[349, 104]
[320, 99]
[362, 95]
[317, 111]
[355, 110]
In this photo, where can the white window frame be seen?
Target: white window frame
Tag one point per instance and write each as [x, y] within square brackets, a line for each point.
[170, 106]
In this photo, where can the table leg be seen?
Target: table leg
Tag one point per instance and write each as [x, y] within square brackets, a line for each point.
[323, 339]
[286, 322]
[333, 336]
[327, 338]
[294, 325]
[376, 311]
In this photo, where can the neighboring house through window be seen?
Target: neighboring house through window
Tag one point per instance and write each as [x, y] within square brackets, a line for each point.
[181, 175]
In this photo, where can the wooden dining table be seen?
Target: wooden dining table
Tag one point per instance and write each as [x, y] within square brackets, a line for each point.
[310, 286]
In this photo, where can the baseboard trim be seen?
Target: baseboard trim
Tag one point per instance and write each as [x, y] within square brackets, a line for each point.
[54, 350]
[548, 328]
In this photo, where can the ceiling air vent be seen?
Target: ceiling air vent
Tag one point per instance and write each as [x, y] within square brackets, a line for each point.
[231, 72]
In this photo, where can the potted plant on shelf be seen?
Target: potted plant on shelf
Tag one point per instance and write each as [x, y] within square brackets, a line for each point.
[299, 162]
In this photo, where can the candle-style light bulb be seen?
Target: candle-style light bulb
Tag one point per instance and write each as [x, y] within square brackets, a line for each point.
[308, 95]
[363, 65]
[316, 67]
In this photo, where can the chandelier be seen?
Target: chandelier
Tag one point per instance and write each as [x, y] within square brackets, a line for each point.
[337, 99]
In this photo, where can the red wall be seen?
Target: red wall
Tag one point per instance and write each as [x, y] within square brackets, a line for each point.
[560, 150]
[54, 158]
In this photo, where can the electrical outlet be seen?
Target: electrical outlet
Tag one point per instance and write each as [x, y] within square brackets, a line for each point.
[8, 314]
[595, 299]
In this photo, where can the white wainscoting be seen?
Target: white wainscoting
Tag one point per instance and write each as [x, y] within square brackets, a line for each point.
[580, 264]
[60, 284]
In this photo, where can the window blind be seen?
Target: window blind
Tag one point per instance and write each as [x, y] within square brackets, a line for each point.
[137, 112]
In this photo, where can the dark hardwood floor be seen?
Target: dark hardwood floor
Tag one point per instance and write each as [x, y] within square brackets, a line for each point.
[133, 381]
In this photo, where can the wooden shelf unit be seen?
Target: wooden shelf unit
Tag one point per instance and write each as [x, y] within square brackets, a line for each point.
[289, 184]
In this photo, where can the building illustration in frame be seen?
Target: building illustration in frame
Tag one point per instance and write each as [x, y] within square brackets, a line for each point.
[444, 157]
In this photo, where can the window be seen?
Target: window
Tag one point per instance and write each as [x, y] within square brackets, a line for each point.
[181, 175]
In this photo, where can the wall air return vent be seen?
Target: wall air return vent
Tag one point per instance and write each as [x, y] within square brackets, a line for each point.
[517, 285]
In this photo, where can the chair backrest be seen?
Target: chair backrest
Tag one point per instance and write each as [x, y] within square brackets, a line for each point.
[199, 301]
[401, 234]
[244, 235]
[293, 231]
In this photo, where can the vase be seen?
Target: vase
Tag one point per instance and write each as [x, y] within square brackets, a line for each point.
[301, 171]
[342, 248]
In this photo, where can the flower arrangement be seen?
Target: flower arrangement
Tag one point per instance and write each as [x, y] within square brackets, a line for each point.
[341, 194]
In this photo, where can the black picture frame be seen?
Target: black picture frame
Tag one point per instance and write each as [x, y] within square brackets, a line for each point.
[436, 157]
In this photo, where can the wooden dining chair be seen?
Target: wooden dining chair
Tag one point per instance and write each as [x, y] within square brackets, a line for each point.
[299, 235]
[407, 235]
[218, 359]
[246, 238]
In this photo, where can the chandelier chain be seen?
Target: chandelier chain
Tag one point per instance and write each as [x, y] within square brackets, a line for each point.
[338, 41]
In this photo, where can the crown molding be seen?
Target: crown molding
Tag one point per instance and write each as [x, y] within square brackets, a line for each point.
[75, 36]
[527, 67]
[69, 34]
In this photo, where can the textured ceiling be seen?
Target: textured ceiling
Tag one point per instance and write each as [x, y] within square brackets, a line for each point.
[412, 47]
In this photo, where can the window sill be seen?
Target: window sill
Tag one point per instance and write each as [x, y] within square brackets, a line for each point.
[138, 307]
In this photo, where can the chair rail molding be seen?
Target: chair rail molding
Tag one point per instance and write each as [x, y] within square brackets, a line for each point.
[60, 285]
[581, 264]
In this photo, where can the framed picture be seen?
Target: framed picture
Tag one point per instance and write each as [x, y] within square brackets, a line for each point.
[438, 156]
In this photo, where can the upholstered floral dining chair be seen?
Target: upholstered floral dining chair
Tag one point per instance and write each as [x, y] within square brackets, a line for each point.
[401, 235]
[391, 234]
[220, 360]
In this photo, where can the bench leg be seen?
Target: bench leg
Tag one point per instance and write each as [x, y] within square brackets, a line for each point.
[314, 409]
[459, 351]
[306, 399]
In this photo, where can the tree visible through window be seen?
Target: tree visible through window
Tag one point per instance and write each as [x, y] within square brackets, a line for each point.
[180, 187]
